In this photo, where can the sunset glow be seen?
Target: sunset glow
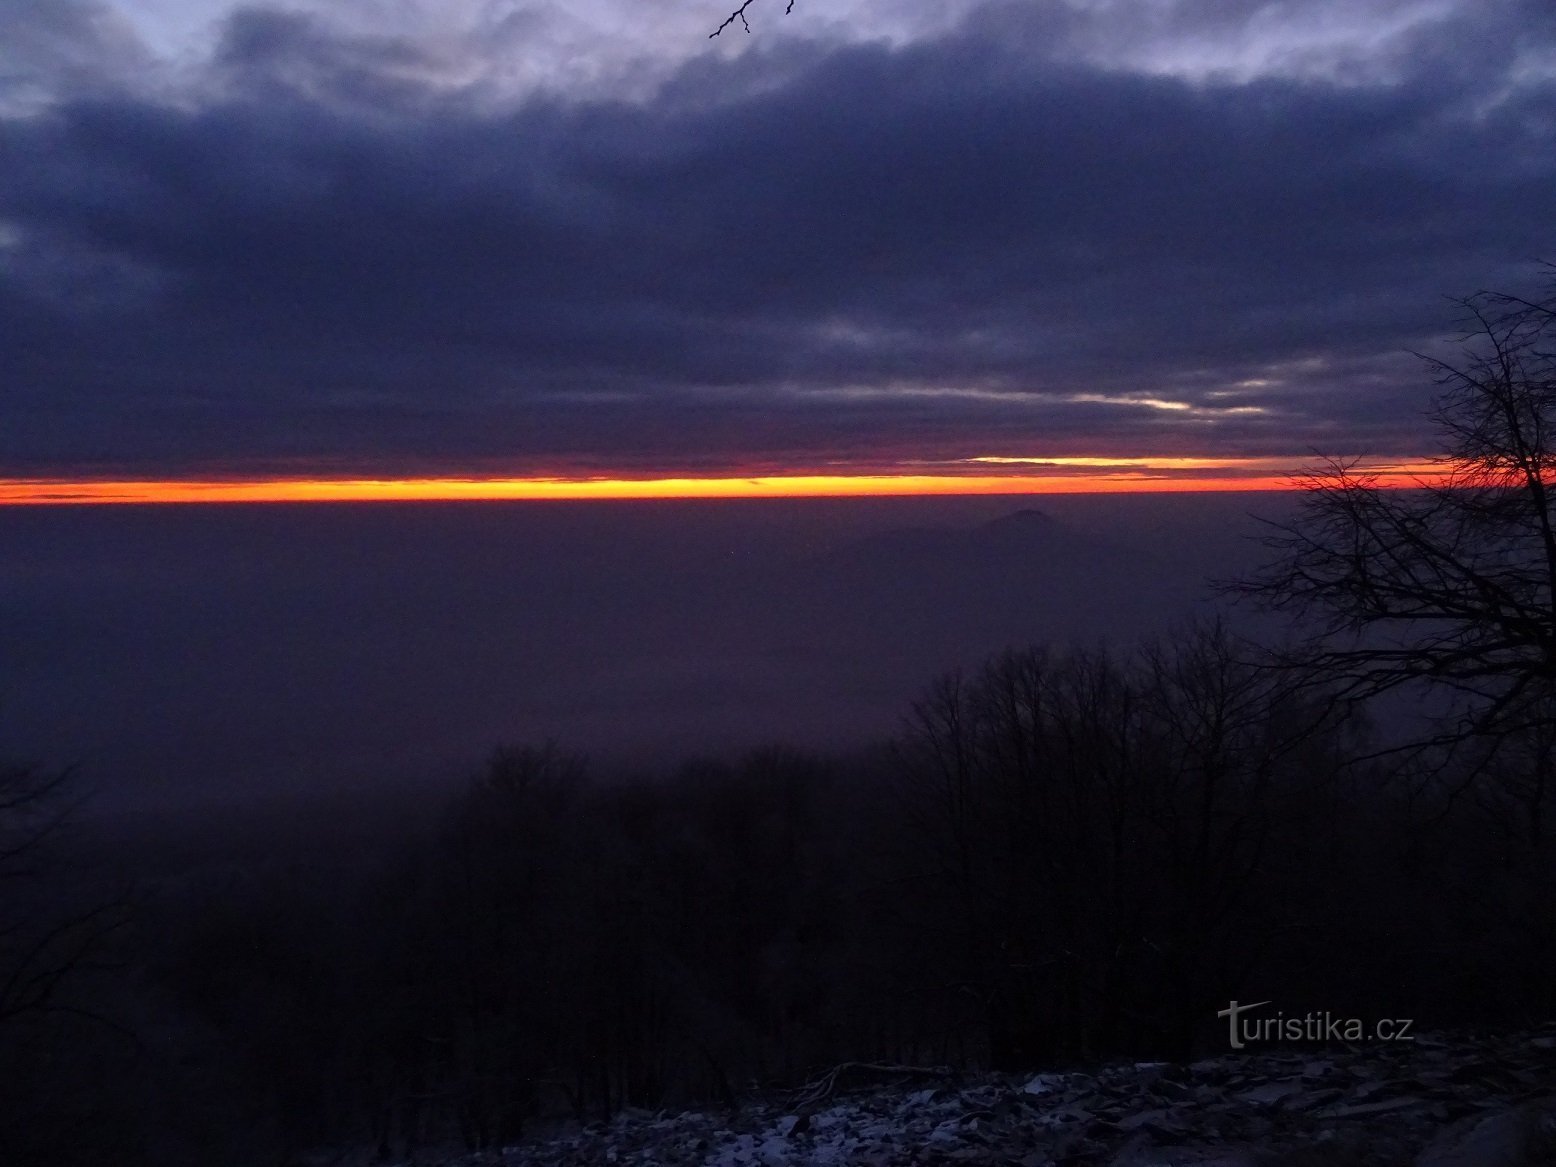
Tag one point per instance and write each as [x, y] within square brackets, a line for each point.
[1086, 476]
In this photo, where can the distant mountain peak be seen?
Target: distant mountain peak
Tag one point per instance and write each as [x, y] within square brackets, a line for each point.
[1024, 528]
[1024, 519]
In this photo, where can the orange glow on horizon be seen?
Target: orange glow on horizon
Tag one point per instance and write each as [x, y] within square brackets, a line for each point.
[1137, 476]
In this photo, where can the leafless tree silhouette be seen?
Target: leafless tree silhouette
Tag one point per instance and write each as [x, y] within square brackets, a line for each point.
[1452, 584]
[41, 947]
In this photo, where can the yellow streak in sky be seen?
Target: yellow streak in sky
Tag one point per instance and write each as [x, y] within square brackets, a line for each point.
[1271, 464]
[1111, 475]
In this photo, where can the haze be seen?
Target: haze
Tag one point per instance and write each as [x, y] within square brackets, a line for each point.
[193, 656]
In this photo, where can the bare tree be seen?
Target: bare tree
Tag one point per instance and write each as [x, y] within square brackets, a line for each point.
[1451, 584]
[62, 1053]
[44, 942]
[1102, 830]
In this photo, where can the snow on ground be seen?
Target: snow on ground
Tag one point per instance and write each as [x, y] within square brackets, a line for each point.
[1438, 1101]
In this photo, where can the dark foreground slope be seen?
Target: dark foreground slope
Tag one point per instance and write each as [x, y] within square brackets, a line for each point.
[1435, 1101]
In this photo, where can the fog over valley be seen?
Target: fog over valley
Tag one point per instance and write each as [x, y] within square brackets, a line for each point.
[190, 657]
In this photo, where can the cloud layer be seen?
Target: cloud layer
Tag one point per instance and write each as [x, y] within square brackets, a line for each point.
[328, 250]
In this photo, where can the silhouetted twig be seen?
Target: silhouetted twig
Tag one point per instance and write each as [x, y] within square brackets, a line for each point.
[740, 15]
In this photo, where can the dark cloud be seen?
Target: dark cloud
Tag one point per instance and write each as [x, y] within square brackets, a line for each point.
[49, 46]
[329, 255]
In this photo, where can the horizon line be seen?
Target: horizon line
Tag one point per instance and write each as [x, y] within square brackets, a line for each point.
[1140, 478]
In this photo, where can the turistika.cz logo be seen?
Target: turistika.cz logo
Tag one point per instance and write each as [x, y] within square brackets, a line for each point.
[1308, 1027]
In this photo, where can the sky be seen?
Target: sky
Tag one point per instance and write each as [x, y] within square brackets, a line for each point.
[381, 242]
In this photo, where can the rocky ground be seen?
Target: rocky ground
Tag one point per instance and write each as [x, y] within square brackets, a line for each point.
[1437, 1101]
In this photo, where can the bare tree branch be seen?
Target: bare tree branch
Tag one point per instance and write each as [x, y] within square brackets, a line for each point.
[1451, 583]
[44, 942]
[740, 15]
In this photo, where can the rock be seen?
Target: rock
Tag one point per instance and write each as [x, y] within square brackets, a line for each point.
[1139, 1153]
[1524, 1136]
[1462, 1098]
